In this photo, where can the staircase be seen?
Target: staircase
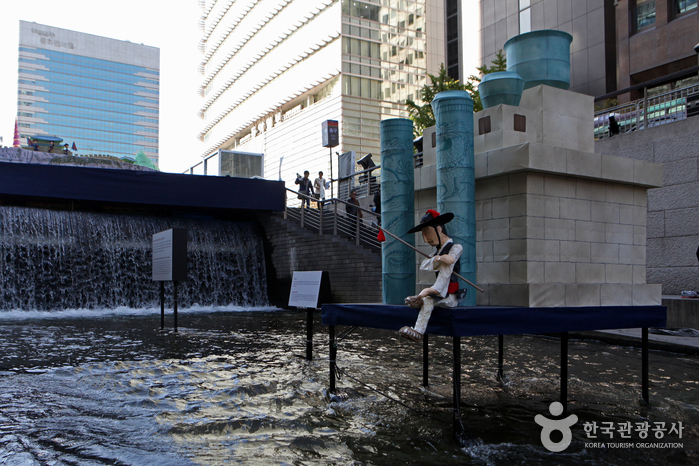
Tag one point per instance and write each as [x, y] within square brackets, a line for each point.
[330, 221]
[354, 269]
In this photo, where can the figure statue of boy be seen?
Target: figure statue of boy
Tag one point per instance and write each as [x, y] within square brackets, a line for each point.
[444, 261]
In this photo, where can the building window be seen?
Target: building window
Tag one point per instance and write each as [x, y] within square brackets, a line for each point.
[644, 14]
[452, 36]
[361, 10]
[240, 164]
[684, 6]
[525, 16]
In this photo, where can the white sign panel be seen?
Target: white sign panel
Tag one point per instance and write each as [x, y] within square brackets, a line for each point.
[305, 287]
[162, 256]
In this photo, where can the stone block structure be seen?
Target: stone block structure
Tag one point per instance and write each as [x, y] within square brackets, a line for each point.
[557, 224]
[673, 209]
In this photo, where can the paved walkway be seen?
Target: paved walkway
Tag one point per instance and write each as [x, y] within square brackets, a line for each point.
[674, 343]
[669, 341]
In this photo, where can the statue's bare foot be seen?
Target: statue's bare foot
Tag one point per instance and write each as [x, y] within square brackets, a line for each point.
[410, 333]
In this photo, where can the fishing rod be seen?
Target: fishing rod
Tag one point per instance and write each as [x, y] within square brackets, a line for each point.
[426, 255]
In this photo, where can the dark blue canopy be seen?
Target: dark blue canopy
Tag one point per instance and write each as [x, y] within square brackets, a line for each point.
[139, 187]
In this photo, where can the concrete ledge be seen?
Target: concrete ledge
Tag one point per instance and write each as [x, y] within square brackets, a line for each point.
[532, 156]
[681, 312]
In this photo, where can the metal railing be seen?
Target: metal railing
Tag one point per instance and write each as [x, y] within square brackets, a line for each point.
[645, 113]
[365, 182]
[330, 217]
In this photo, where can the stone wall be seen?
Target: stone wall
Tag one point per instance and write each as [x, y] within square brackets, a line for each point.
[557, 224]
[354, 271]
[673, 210]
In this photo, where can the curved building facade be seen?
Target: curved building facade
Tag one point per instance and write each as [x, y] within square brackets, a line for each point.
[274, 70]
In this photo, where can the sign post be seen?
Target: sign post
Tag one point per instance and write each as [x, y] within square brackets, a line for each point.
[169, 264]
[308, 291]
[331, 138]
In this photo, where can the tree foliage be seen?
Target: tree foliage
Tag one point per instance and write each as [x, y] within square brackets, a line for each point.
[422, 115]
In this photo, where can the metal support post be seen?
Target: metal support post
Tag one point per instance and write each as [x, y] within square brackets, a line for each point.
[425, 360]
[174, 300]
[332, 195]
[564, 371]
[458, 426]
[333, 355]
[501, 357]
[645, 108]
[162, 305]
[644, 364]
[309, 334]
[335, 220]
[321, 206]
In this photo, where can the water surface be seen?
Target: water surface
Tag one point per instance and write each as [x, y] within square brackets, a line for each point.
[232, 387]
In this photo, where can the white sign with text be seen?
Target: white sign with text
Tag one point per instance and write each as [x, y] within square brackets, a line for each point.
[305, 289]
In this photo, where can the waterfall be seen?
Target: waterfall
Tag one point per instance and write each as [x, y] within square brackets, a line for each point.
[51, 260]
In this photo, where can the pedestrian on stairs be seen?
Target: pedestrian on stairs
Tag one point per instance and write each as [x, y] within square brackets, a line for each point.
[305, 188]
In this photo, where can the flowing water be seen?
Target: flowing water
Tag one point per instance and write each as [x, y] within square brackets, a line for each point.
[97, 387]
[55, 260]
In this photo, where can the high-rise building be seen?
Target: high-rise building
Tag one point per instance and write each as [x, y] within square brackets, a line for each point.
[618, 45]
[101, 94]
[275, 70]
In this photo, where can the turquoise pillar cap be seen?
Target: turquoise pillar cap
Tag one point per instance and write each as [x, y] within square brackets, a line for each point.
[452, 95]
[539, 33]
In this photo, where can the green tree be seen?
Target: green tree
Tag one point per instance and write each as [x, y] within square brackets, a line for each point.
[422, 115]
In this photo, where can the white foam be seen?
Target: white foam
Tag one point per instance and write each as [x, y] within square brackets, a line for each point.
[22, 314]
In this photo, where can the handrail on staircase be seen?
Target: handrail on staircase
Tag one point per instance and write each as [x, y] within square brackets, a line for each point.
[361, 230]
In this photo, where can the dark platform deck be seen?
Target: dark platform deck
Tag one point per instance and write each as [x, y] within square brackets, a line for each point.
[490, 320]
[486, 320]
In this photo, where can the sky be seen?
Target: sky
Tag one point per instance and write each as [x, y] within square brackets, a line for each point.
[170, 25]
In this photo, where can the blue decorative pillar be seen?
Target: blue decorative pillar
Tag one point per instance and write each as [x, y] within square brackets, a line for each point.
[456, 177]
[397, 209]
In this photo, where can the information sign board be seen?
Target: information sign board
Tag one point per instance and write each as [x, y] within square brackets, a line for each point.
[170, 255]
[305, 289]
[331, 133]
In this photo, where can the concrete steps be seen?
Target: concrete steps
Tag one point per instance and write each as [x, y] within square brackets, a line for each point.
[354, 271]
[312, 221]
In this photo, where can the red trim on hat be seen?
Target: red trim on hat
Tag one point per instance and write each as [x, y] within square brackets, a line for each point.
[433, 213]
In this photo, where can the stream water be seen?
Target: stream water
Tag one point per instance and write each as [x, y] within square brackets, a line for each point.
[98, 387]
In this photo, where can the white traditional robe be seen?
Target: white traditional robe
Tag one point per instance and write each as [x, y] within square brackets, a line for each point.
[441, 285]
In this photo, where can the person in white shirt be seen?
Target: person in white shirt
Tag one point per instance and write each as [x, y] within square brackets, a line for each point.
[319, 186]
[444, 261]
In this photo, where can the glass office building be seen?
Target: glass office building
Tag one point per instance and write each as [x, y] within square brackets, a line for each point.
[101, 94]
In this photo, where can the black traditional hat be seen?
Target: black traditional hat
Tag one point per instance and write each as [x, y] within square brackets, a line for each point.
[431, 219]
